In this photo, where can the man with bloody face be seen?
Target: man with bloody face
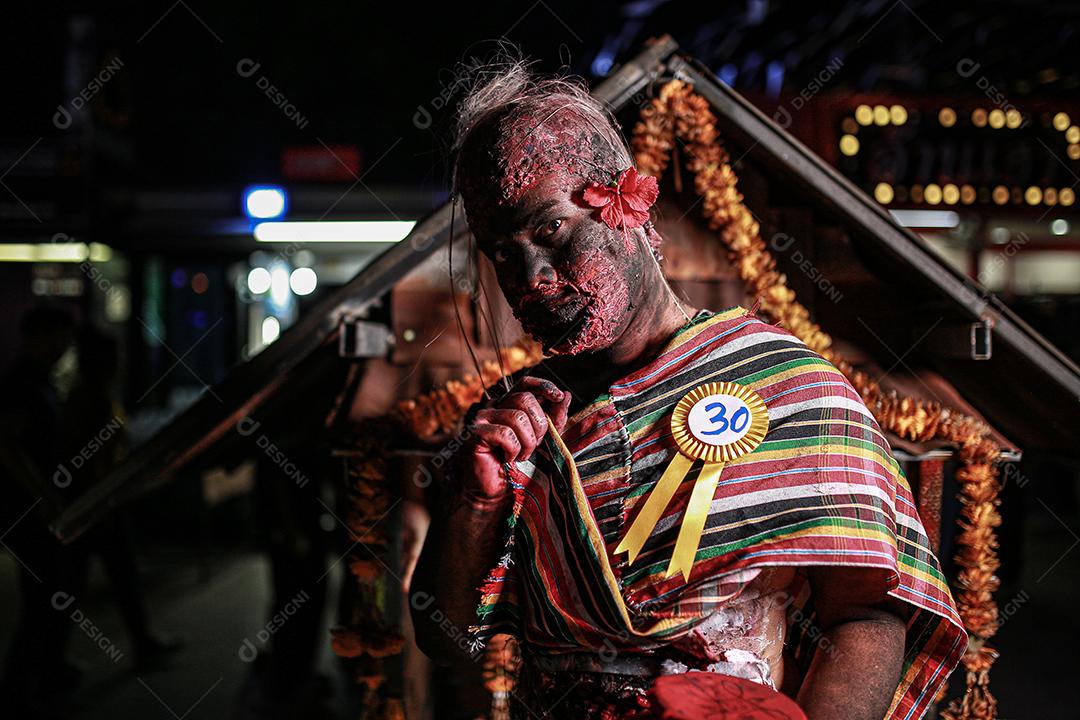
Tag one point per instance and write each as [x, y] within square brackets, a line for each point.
[575, 284]
[673, 491]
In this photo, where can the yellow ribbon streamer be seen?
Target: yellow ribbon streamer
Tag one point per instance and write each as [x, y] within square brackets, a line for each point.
[682, 559]
[654, 506]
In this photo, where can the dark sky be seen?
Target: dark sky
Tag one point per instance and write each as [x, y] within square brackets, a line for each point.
[356, 72]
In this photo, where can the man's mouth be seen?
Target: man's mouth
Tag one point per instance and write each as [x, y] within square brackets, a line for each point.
[553, 319]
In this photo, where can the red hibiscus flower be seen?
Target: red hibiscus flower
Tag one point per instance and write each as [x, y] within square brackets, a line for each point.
[624, 201]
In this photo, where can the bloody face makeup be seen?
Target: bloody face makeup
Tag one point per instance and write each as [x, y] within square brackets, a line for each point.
[571, 280]
[568, 278]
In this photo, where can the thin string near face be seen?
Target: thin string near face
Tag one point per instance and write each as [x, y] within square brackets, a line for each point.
[457, 310]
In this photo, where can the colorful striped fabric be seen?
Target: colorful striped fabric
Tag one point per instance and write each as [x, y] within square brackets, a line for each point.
[821, 489]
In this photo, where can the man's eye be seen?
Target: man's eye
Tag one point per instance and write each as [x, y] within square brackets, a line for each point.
[549, 229]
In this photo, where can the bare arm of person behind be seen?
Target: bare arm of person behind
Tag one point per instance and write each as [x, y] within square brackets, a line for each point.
[466, 534]
[855, 675]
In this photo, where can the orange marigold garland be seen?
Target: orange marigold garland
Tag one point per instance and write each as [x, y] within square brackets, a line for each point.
[440, 410]
[678, 112]
[366, 640]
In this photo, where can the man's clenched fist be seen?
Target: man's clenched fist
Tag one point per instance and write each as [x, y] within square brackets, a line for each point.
[505, 432]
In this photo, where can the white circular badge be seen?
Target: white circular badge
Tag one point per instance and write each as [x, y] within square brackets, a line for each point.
[719, 419]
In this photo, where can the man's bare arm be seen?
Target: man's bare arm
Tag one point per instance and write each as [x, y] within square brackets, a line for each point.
[856, 668]
[466, 534]
[461, 546]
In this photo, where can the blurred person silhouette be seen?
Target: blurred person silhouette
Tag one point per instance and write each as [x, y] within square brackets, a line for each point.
[94, 425]
[36, 672]
[289, 684]
[291, 500]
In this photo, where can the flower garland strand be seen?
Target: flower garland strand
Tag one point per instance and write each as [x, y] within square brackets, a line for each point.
[441, 410]
[366, 640]
[678, 112]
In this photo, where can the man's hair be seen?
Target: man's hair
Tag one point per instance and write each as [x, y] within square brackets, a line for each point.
[505, 88]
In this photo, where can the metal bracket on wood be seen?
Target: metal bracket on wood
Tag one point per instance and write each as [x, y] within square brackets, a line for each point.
[973, 341]
[363, 339]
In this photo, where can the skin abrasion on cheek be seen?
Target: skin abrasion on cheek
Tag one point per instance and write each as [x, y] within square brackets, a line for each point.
[604, 284]
[593, 292]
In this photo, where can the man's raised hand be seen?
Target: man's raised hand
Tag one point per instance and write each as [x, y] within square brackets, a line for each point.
[508, 431]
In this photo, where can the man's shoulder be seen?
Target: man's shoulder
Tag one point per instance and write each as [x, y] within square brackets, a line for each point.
[752, 351]
[741, 333]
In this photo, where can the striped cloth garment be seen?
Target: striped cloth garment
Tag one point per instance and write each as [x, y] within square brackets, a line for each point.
[821, 489]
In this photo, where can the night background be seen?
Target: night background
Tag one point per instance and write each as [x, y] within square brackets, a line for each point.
[131, 134]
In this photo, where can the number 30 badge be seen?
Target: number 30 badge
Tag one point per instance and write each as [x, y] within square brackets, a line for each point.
[715, 422]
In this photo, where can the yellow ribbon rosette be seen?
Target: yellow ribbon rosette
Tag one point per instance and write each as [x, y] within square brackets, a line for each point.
[716, 423]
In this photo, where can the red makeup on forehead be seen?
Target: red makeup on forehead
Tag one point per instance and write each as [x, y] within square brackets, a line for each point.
[524, 148]
[530, 149]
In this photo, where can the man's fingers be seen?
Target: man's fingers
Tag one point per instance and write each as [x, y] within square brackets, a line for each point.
[520, 423]
[500, 438]
[545, 388]
[530, 405]
[561, 412]
[525, 412]
[557, 400]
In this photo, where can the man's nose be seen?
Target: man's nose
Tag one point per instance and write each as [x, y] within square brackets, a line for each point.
[538, 271]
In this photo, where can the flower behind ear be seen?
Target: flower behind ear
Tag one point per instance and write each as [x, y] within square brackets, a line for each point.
[625, 201]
